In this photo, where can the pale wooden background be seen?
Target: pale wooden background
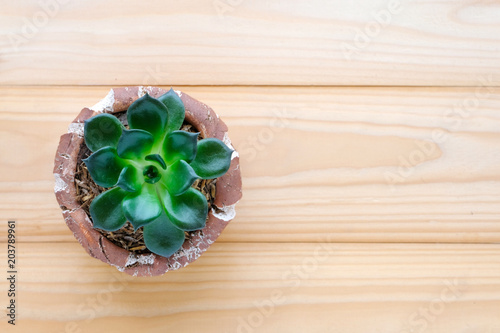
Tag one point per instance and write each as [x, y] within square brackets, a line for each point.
[371, 200]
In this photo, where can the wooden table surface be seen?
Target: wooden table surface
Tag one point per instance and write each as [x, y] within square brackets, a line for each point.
[369, 135]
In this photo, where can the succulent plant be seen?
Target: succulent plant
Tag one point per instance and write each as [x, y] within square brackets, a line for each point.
[149, 170]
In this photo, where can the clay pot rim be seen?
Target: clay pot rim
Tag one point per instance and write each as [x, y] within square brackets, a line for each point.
[228, 188]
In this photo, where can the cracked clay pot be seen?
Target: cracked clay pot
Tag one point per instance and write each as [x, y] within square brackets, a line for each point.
[228, 188]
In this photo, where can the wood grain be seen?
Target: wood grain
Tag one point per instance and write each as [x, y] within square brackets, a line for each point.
[315, 287]
[383, 164]
[368, 134]
[222, 42]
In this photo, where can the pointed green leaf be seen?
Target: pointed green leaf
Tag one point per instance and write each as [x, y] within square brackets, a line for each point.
[106, 210]
[134, 144]
[142, 207]
[149, 114]
[212, 159]
[101, 131]
[187, 211]
[130, 179]
[105, 166]
[179, 177]
[176, 110]
[180, 145]
[157, 158]
[162, 237]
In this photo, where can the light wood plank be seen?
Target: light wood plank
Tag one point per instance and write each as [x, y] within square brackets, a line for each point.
[324, 165]
[317, 288]
[250, 42]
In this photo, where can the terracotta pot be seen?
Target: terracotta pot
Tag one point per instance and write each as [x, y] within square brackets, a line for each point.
[228, 188]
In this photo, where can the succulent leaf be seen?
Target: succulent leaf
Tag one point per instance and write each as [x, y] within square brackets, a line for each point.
[149, 114]
[179, 177]
[157, 158]
[162, 237]
[176, 110]
[142, 207]
[134, 144]
[106, 210]
[130, 179]
[105, 166]
[187, 211]
[101, 131]
[213, 158]
[180, 145]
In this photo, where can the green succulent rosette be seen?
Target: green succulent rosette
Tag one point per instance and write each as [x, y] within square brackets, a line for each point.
[148, 171]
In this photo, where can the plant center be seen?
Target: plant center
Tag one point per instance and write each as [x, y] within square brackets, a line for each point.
[151, 174]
